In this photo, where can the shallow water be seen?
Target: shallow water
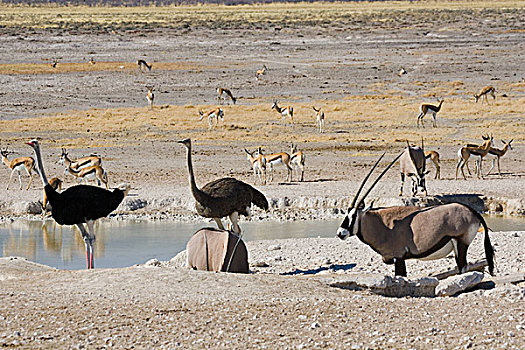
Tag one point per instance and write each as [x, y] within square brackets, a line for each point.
[125, 243]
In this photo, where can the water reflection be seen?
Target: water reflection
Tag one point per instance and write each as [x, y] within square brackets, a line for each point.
[125, 243]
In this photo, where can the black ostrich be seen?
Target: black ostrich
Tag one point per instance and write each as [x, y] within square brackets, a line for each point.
[80, 204]
[223, 197]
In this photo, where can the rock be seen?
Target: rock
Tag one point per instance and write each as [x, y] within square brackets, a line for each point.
[274, 247]
[516, 206]
[179, 260]
[152, 263]
[459, 283]
[132, 204]
[260, 264]
[23, 208]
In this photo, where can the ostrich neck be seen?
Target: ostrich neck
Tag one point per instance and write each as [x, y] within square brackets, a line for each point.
[40, 167]
[197, 193]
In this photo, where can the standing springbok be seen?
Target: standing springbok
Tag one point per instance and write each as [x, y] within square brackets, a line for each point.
[319, 118]
[465, 152]
[261, 72]
[143, 64]
[400, 233]
[150, 96]
[498, 153]
[487, 90]
[17, 164]
[56, 184]
[223, 91]
[284, 111]
[89, 173]
[278, 158]
[428, 108]
[79, 163]
[258, 162]
[297, 161]
[215, 113]
[413, 164]
[434, 157]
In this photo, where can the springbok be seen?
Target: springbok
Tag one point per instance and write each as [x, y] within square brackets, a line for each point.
[143, 64]
[498, 153]
[89, 173]
[434, 157]
[215, 113]
[297, 161]
[278, 158]
[484, 92]
[260, 72]
[220, 95]
[465, 152]
[56, 184]
[319, 118]
[428, 108]
[92, 61]
[413, 164]
[80, 163]
[17, 164]
[284, 111]
[400, 233]
[150, 96]
[258, 162]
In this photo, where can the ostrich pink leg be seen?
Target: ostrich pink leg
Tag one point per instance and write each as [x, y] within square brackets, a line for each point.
[85, 237]
[91, 229]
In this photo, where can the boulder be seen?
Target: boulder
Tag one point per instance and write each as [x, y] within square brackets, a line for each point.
[459, 283]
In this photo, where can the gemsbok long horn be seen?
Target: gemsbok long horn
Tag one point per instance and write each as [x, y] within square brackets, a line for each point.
[365, 179]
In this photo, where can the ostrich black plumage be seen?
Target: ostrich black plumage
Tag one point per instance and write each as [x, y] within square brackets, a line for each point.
[223, 197]
[80, 204]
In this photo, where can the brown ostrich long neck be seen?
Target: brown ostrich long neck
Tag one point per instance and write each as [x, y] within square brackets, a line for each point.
[199, 196]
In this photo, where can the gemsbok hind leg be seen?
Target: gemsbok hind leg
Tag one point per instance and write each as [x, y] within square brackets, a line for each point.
[400, 267]
[461, 256]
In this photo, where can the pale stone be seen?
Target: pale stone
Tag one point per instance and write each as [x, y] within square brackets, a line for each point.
[459, 283]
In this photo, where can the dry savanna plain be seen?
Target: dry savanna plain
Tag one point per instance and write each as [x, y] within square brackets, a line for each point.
[344, 58]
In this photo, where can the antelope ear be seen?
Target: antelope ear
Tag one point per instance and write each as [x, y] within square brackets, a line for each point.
[361, 205]
[370, 205]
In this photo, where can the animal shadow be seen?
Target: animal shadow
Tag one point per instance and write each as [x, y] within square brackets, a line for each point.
[333, 267]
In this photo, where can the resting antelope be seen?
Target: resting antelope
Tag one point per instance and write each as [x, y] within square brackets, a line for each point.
[498, 153]
[484, 92]
[401, 233]
[297, 161]
[143, 64]
[428, 108]
[258, 162]
[260, 72]
[434, 157]
[90, 173]
[465, 152]
[319, 119]
[284, 111]
[221, 98]
[413, 164]
[215, 113]
[150, 96]
[79, 163]
[17, 164]
[278, 158]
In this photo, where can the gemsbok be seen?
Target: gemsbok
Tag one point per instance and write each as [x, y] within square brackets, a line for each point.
[413, 164]
[428, 108]
[487, 90]
[79, 163]
[261, 72]
[434, 157]
[297, 159]
[17, 164]
[214, 114]
[278, 158]
[283, 111]
[408, 232]
[465, 152]
[221, 92]
[319, 118]
[143, 65]
[258, 162]
[497, 153]
[150, 96]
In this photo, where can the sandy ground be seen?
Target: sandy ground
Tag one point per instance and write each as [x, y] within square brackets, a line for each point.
[93, 110]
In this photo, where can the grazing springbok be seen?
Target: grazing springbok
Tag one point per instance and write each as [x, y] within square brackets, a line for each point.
[402, 72]
[92, 61]
[17, 164]
[319, 118]
[215, 113]
[413, 164]
[498, 153]
[297, 161]
[258, 162]
[220, 95]
[284, 111]
[487, 90]
[143, 65]
[80, 163]
[89, 173]
[261, 72]
[150, 96]
[465, 152]
[400, 233]
[56, 184]
[428, 108]
[434, 157]
[278, 158]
